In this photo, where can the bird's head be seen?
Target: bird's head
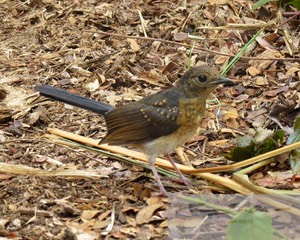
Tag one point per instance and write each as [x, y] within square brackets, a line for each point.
[201, 81]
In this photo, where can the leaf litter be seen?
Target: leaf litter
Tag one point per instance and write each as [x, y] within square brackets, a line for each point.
[50, 42]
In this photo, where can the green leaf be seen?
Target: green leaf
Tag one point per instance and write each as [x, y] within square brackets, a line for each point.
[294, 160]
[238, 154]
[271, 143]
[250, 224]
[278, 136]
[248, 147]
[296, 3]
[294, 137]
[294, 157]
[297, 122]
[241, 52]
[244, 149]
[259, 3]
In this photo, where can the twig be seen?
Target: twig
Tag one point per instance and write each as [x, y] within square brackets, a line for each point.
[142, 23]
[190, 46]
[166, 164]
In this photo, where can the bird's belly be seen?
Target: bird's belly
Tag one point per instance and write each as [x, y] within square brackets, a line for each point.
[167, 144]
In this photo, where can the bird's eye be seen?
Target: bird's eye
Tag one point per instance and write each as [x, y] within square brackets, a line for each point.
[202, 78]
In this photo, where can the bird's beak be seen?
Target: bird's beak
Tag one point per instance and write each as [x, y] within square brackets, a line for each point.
[225, 81]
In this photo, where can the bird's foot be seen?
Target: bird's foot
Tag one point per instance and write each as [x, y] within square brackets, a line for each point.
[160, 194]
[163, 191]
[186, 182]
[182, 177]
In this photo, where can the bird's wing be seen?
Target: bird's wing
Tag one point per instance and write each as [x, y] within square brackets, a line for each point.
[143, 121]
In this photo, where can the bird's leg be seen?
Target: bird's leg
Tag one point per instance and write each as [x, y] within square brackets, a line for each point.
[182, 177]
[152, 159]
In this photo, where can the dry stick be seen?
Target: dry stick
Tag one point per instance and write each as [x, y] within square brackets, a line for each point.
[142, 23]
[290, 18]
[278, 205]
[238, 26]
[14, 169]
[231, 184]
[190, 46]
[203, 173]
[217, 180]
[273, 198]
[250, 160]
[142, 157]
[163, 163]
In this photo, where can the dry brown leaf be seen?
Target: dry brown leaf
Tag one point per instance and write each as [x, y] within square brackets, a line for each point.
[131, 221]
[131, 231]
[253, 71]
[5, 176]
[89, 214]
[187, 222]
[263, 43]
[91, 86]
[232, 113]
[181, 36]
[164, 224]
[272, 37]
[218, 143]
[232, 123]
[254, 114]
[261, 81]
[80, 230]
[145, 214]
[104, 215]
[134, 45]
[216, 2]
[273, 93]
[262, 65]
[171, 67]
[137, 189]
[100, 224]
[154, 200]
[72, 20]
[279, 180]
[44, 43]
[82, 71]
[151, 77]
[50, 55]
[292, 70]
[221, 59]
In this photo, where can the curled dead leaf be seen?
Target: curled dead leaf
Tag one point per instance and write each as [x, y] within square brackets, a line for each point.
[145, 214]
[292, 70]
[221, 59]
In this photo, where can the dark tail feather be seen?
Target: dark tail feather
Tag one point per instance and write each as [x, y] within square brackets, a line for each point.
[73, 99]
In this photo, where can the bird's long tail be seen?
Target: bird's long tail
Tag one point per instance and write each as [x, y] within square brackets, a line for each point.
[73, 99]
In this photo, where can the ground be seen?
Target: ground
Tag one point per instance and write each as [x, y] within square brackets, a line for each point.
[84, 47]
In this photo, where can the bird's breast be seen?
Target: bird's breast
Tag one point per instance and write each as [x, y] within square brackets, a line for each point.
[191, 113]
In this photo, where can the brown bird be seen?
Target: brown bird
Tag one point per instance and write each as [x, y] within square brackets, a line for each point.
[158, 123]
